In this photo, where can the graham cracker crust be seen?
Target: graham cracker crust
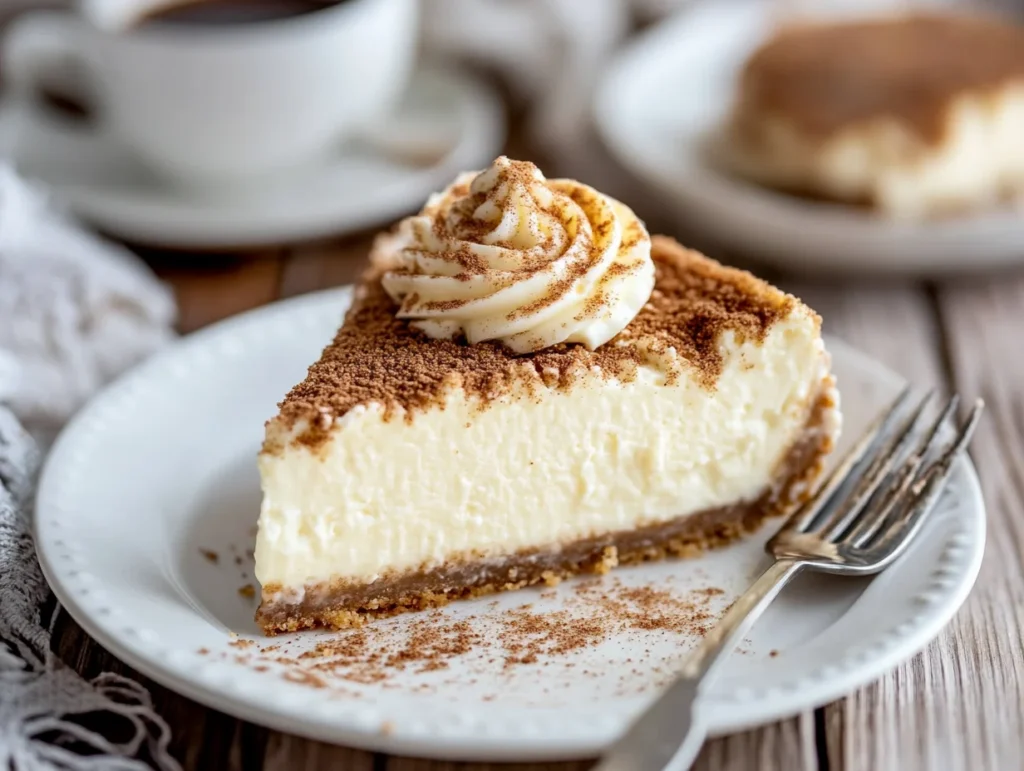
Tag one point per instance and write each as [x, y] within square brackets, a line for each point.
[340, 605]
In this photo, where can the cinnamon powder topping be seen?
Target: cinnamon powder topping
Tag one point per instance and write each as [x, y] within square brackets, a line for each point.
[377, 358]
[488, 643]
[829, 76]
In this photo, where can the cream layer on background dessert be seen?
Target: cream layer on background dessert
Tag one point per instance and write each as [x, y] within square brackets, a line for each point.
[499, 409]
[916, 116]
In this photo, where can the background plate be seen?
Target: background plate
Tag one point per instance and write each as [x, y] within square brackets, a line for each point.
[160, 468]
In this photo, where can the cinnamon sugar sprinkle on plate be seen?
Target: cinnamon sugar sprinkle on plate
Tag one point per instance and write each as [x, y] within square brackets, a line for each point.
[492, 642]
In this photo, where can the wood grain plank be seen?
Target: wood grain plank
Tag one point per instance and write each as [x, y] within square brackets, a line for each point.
[292, 753]
[211, 288]
[883, 725]
[968, 709]
[785, 746]
[395, 763]
[782, 746]
[327, 264]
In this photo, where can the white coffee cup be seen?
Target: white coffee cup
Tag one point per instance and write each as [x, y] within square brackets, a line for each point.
[215, 105]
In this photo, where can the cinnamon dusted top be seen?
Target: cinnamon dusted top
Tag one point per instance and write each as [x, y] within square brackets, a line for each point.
[827, 77]
[376, 357]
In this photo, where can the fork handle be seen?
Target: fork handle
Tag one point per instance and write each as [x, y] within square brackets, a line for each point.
[669, 734]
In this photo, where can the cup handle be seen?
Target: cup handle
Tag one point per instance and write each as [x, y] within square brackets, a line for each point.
[42, 48]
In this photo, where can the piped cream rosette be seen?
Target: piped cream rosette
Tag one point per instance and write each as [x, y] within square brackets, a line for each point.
[508, 255]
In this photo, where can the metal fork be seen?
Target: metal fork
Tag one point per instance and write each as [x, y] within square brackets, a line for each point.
[860, 520]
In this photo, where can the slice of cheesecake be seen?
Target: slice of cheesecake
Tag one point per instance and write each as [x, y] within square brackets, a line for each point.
[412, 466]
[915, 115]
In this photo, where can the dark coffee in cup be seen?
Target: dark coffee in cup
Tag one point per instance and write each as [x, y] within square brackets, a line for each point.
[225, 13]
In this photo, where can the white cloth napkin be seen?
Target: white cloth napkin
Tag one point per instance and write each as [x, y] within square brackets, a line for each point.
[74, 312]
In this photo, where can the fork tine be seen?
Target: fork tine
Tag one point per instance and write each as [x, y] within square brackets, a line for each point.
[809, 510]
[923, 494]
[866, 526]
[835, 521]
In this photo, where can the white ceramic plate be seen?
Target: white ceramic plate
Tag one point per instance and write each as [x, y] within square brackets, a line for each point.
[449, 119]
[161, 465]
[665, 96]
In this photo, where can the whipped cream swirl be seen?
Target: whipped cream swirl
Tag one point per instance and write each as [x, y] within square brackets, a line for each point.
[508, 255]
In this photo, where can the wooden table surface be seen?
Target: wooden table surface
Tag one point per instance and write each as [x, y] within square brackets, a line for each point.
[957, 705]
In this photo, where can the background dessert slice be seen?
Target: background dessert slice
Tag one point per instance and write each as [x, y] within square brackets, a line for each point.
[914, 115]
[413, 466]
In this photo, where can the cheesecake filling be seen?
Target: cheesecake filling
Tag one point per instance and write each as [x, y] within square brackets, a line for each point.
[505, 254]
[386, 497]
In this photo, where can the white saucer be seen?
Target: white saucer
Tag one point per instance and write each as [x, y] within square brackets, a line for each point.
[162, 465]
[453, 120]
[669, 91]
